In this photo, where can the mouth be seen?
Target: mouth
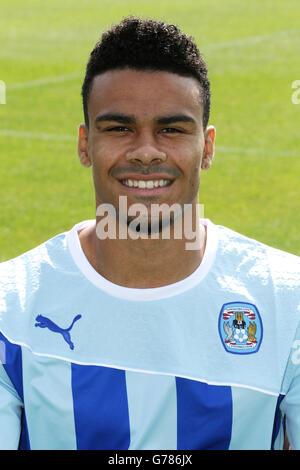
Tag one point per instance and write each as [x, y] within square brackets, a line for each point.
[146, 184]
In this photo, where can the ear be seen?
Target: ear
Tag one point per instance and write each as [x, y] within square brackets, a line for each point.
[83, 148]
[209, 147]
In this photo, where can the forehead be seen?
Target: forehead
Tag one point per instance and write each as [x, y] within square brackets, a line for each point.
[144, 93]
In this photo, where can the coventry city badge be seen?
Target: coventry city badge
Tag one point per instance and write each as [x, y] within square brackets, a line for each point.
[240, 328]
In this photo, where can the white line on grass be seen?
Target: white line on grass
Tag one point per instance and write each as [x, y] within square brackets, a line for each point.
[35, 135]
[250, 40]
[221, 148]
[259, 151]
[44, 81]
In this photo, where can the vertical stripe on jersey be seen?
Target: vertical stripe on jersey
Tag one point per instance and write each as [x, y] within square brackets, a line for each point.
[152, 411]
[277, 439]
[48, 402]
[10, 413]
[252, 431]
[100, 408]
[11, 355]
[204, 415]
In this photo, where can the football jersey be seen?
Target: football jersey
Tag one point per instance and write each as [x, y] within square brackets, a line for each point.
[209, 362]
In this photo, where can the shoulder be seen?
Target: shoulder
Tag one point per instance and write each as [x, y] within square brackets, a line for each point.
[16, 270]
[25, 277]
[259, 258]
[268, 278]
[267, 275]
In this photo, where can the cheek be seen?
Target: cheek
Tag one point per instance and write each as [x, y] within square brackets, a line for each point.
[194, 168]
[101, 158]
[194, 175]
[98, 171]
[195, 180]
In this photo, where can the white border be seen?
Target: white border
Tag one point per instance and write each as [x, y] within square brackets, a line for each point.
[134, 294]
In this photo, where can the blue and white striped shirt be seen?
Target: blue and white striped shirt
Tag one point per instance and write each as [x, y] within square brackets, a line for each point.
[210, 362]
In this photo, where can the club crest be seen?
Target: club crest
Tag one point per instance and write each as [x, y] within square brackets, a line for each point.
[240, 328]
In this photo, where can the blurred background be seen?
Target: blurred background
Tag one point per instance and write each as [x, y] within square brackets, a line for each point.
[252, 53]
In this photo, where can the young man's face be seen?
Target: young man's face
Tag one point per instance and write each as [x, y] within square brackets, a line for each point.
[145, 138]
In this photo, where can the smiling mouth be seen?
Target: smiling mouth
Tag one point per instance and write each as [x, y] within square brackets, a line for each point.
[146, 184]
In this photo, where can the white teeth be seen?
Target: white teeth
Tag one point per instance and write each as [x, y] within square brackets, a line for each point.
[146, 184]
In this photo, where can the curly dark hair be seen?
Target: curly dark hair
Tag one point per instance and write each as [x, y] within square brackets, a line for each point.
[147, 45]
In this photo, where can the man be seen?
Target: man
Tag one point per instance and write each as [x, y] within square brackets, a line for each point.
[121, 335]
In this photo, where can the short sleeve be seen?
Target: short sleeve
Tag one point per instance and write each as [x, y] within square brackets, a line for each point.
[290, 405]
[10, 413]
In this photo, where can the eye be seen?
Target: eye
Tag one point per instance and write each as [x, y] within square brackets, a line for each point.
[117, 129]
[171, 130]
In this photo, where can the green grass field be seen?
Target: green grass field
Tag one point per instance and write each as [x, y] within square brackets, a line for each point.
[252, 52]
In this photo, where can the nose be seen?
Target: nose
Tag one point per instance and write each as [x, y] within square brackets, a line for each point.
[146, 154]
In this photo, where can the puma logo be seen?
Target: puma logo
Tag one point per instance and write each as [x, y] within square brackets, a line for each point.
[44, 322]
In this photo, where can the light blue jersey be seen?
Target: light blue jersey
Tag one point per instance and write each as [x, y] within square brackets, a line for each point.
[210, 362]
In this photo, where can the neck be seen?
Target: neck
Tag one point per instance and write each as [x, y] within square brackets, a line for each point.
[146, 262]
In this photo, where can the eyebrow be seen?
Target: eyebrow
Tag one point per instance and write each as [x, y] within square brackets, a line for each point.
[175, 118]
[117, 117]
[129, 119]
